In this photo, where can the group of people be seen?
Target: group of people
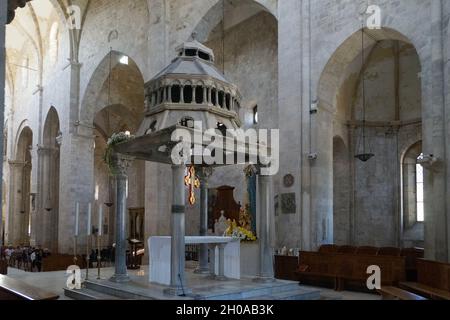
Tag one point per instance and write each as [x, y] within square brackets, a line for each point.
[24, 257]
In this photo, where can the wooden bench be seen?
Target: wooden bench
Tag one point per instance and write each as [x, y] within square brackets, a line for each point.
[12, 289]
[341, 268]
[354, 269]
[433, 280]
[60, 262]
[3, 267]
[394, 293]
[285, 267]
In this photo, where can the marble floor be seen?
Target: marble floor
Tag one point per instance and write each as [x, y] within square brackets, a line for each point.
[56, 281]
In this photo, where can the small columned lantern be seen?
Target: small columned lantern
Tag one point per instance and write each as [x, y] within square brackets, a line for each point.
[191, 89]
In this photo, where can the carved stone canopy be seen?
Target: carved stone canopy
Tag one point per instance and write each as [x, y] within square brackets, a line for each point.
[12, 6]
[193, 96]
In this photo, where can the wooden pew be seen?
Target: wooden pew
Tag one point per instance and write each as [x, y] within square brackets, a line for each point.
[354, 269]
[318, 267]
[412, 255]
[345, 268]
[60, 262]
[13, 289]
[394, 293]
[285, 267]
[433, 280]
[3, 267]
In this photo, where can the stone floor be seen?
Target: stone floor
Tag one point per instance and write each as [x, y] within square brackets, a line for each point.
[56, 281]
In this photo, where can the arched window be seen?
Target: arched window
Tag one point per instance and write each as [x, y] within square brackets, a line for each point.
[255, 114]
[412, 185]
[54, 43]
[419, 193]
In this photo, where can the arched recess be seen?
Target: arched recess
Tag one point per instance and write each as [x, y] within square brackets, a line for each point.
[114, 103]
[412, 197]
[50, 159]
[238, 11]
[113, 83]
[341, 192]
[244, 38]
[19, 215]
[393, 107]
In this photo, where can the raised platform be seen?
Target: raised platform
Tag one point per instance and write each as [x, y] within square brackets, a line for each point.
[201, 287]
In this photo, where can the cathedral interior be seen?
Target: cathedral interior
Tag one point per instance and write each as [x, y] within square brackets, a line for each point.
[350, 101]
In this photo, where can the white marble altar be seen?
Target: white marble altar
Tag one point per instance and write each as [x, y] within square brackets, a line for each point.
[160, 253]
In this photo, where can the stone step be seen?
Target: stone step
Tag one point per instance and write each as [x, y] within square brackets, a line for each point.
[270, 290]
[298, 294]
[88, 294]
[115, 291]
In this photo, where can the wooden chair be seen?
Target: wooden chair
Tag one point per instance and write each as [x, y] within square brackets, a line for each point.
[346, 249]
[371, 251]
[389, 251]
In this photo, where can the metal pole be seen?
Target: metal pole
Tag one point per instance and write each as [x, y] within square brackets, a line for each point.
[3, 17]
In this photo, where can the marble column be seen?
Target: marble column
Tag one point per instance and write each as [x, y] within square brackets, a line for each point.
[177, 265]
[121, 164]
[203, 174]
[3, 17]
[266, 250]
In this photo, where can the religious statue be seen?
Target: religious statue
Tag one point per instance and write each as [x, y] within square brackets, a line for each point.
[221, 225]
[245, 218]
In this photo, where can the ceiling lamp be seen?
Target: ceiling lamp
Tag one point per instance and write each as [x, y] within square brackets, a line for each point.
[364, 156]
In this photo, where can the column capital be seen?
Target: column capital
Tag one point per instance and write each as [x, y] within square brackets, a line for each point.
[120, 163]
[204, 173]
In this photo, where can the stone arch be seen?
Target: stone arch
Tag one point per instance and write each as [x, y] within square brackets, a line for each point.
[49, 154]
[245, 22]
[337, 68]
[213, 16]
[19, 223]
[113, 119]
[339, 113]
[97, 92]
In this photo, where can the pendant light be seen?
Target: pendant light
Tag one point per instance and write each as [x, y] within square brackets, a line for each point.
[364, 156]
[109, 202]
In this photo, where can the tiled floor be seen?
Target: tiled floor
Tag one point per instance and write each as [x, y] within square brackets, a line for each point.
[56, 281]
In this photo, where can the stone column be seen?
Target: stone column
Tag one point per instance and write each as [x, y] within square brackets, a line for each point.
[266, 250]
[194, 94]
[3, 16]
[181, 94]
[121, 164]
[203, 174]
[210, 95]
[177, 265]
[217, 98]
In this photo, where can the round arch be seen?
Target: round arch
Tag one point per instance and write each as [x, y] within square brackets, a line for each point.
[337, 68]
[241, 10]
[97, 91]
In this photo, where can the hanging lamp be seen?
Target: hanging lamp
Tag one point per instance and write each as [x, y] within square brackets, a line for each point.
[364, 156]
[109, 202]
